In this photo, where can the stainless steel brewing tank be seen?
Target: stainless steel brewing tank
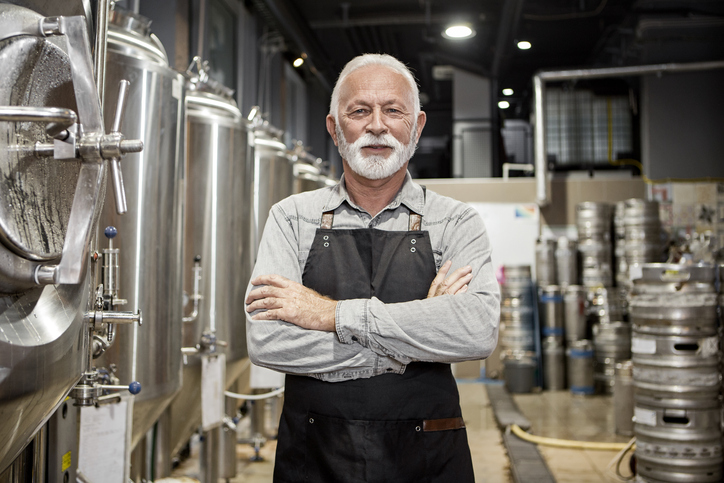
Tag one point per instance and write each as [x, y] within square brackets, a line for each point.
[310, 173]
[217, 231]
[150, 235]
[43, 341]
[273, 170]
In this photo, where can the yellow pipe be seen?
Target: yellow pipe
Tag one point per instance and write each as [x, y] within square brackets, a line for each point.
[562, 443]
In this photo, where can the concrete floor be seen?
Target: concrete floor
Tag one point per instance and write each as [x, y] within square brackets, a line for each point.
[555, 414]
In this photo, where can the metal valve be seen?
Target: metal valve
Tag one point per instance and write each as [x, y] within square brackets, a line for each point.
[90, 391]
[208, 344]
[196, 297]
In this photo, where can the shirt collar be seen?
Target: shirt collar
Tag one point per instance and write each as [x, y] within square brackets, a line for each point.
[411, 195]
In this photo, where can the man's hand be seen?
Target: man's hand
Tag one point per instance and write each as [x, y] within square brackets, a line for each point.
[291, 302]
[454, 284]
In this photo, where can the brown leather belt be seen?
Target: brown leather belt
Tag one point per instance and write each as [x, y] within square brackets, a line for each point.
[443, 424]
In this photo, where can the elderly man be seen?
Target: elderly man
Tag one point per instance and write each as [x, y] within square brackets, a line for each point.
[364, 293]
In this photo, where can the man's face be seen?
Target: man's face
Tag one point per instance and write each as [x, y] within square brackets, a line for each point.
[375, 128]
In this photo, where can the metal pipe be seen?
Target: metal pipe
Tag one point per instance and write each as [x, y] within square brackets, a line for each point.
[541, 166]
[58, 117]
[99, 53]
[542, 195]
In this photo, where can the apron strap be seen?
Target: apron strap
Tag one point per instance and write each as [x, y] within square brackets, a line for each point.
[327, 220]
[414, 225]
[416, 218]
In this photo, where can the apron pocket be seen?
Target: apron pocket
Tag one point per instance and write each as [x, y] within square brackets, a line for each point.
[341, 450]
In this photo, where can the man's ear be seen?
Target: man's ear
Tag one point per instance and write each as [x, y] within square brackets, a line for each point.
[331, 124]
[421, 120]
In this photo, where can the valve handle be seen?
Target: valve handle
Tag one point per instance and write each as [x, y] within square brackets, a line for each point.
[120, 105]
[119, 191]
[134, 387]
[110, 232]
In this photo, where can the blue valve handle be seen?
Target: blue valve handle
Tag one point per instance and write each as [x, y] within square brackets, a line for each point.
[134, 387]
[110, 232]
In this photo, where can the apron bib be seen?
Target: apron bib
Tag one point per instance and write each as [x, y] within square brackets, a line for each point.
[393, 428]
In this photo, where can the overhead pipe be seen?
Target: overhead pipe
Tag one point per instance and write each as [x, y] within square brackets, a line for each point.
[541, 165]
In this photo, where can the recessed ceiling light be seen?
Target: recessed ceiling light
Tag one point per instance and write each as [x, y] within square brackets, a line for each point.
[504, 104]
[459, 31]
[524, 45]
[298, 62]
[507, 92]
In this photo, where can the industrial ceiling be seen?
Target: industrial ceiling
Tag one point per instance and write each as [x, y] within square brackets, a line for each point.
[563, 34]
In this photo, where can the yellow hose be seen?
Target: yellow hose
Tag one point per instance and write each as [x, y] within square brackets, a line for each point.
[562, 443]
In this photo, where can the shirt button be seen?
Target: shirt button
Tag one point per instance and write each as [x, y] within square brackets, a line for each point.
[413, 241]
[354, 338]
[326, 237]
[418, 428]
[311, 420]
[412, 249]
[326, 244]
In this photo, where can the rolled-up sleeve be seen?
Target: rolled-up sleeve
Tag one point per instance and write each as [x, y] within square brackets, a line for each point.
[447, 328]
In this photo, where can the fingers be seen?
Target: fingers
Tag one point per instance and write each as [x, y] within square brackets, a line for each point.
[439, 278]
[275, 280]
[458, 285]
[453, 284]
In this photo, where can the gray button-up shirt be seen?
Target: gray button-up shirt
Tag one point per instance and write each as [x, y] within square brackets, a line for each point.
[372, 337]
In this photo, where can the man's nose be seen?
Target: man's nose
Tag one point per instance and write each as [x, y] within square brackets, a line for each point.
[377, 125]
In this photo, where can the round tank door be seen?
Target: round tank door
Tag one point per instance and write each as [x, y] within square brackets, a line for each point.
[38, 190]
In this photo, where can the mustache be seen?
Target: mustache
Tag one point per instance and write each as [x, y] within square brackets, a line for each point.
[369, 139]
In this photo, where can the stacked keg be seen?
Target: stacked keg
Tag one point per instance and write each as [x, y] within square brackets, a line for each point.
[611, 336]
[517, 328]
[641, 239]
[551, 315]
[675, 346]
[552, 345]
[620, 265]
[593, 221]
[566, 260]
[545, 262]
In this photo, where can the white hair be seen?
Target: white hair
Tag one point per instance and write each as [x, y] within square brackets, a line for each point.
[382, 60]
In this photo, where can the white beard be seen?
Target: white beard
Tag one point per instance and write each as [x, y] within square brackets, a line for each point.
[376, 166]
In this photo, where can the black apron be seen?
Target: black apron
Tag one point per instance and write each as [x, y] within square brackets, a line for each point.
[395, 428]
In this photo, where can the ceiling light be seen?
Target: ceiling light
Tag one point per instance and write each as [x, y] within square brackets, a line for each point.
[507, 92]
[504, 104]
[460, 31]
[524, 45]
[298, 62]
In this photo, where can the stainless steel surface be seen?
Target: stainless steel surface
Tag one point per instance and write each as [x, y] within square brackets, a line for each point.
[99, 50]
[545, 262]
[43, 339]
[543, 195]
[310, 173]
[579, 363]
[623, 398]
[678, 445]
[273, 172]
[551, 310]
[566, 255]
[574, 313]
[150, 235]
[218, 222]
[554, 364]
